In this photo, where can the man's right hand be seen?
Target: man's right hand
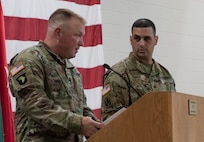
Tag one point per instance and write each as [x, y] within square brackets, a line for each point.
[89, 126]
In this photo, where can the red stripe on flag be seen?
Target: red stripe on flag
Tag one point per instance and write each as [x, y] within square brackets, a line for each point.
[8, 122]
[92, 77]
[85, 2]
[95, 32]
[97, 112]
[30, 29]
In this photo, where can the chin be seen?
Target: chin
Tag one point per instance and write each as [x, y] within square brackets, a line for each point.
[72, 56]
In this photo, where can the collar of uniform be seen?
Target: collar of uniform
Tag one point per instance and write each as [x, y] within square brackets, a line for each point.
[57, 57]
[69, 64]
[133, 59]
[155, 68]
[54, 55]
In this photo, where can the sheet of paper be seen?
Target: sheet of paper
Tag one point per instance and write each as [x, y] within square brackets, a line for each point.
[114, 116]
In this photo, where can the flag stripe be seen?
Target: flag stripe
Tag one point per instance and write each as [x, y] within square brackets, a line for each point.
[85, 2]
[92, 81]
[93, 95]
[41, 9]
[93, 56]
[95, 32]
[98, 113]
[15, 26]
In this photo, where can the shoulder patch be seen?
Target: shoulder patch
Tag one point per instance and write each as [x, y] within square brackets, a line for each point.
[106, 89]
[22, 79]
[17, 68]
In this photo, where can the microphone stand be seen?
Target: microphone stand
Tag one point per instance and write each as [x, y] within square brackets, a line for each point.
[128, 83]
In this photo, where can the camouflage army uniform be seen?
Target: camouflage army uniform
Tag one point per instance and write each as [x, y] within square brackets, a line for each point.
[143, 78]
[49, 95]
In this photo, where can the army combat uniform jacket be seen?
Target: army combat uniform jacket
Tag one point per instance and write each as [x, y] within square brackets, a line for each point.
[49, 96]
[131, 80]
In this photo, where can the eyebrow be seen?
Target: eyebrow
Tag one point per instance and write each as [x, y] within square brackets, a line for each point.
[142, 36]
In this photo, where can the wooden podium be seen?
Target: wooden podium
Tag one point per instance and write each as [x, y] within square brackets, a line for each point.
[157, 117]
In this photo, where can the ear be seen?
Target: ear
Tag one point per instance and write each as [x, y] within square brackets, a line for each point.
[57, 33]
[131, 38]
[156, 39]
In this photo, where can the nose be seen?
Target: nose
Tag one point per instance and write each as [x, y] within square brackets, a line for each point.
[142, 42]
[81, 41]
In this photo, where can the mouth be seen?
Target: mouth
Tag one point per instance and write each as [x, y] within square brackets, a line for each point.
[76, 50]
[141, 51]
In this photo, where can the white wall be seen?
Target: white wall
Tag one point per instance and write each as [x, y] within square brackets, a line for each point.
[180, 27]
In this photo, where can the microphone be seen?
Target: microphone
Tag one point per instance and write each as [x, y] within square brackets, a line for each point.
[128, 83]
[107, 66]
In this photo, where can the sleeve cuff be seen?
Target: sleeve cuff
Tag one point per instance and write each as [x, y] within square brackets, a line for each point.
[75, 124]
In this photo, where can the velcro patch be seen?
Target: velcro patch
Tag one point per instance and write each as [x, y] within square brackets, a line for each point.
[22, 79]
[106, 89]
[17, 68]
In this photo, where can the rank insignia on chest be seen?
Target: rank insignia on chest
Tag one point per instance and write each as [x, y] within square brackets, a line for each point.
[142, 77]
[70, 80]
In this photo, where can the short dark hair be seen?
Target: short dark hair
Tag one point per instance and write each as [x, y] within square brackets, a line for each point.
[143, 22]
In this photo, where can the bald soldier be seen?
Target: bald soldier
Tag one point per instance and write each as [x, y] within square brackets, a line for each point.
[136, 75]
[51, 104]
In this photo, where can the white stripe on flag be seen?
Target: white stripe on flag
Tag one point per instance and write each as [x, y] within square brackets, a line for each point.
[41, 9]
[93, 55]
[93, 95]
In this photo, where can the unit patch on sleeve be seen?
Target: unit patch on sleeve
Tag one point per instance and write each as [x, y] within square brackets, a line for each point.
[17, 68]
[107, 101]
[22, 79]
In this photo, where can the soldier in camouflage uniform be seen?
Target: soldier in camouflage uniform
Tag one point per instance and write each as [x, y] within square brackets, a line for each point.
[51, 104]
[138, 74]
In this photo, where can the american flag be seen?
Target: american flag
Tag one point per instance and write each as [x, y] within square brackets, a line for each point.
[26, 24]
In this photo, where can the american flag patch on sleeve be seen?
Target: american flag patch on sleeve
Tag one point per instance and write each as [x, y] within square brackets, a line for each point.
[106, 89]
[17, 68]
